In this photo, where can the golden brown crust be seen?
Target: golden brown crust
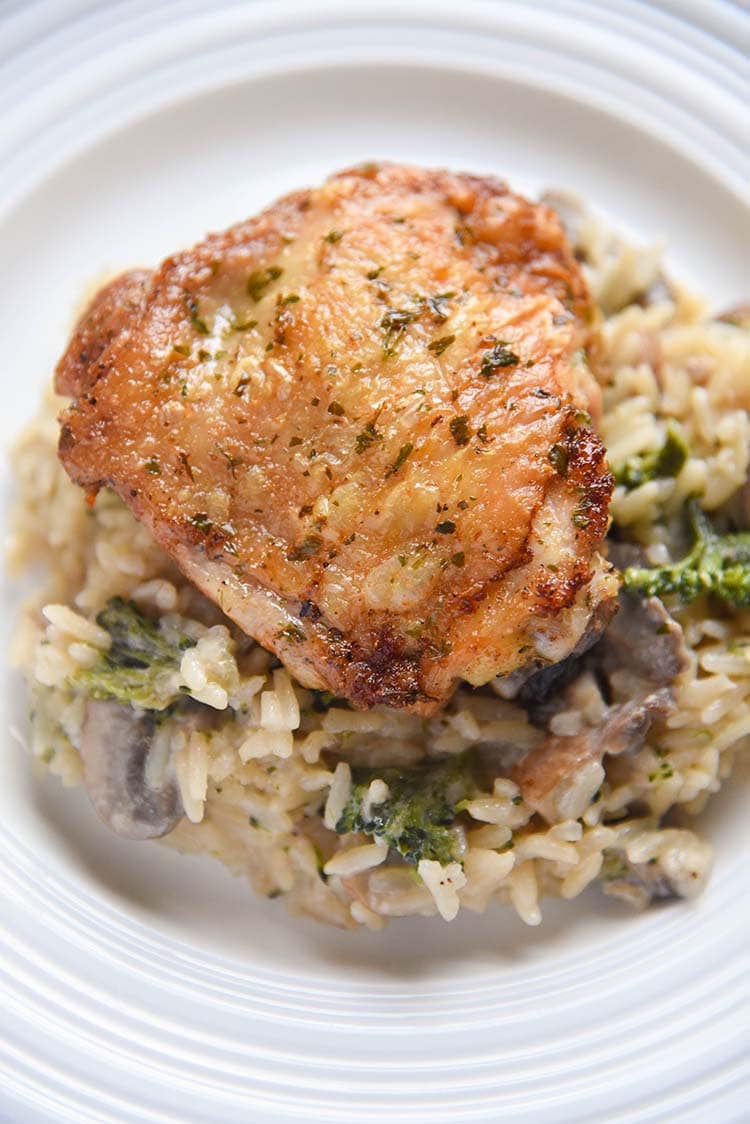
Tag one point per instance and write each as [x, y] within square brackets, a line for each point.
[358, 422]
[109, 314]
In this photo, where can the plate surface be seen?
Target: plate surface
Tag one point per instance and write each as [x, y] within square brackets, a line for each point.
[137, 985]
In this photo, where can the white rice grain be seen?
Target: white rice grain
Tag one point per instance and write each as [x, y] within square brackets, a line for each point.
[287, 699]
[79, 628]
[581, 875]
[83, 654]
[377, 793]
[52, 665]
[567, 723]
[485, 871]
[338, 795]
[312, 746]
[572, 803]
[156, 593]
[356, 859]
[524, 893]
[367, 917]
[489, 809]
[194, 673]
[541, 846]
[191, 770]
[444, 883]
[266, 743]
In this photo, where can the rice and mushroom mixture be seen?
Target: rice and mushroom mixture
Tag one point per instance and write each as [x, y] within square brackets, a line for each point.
[507, 794]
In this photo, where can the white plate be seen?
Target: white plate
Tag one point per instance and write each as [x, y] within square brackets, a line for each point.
[137, 985]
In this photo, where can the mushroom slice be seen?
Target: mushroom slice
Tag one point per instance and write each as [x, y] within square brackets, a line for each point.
[642, 648]
[678, 868]
[117, 743]
[390, 891]
[559, 778]
[644, 640]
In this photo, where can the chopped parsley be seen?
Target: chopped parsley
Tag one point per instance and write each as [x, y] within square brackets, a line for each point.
[663, 773]
[233, 462]
[437, 305]
[497, 357]
[366, 438]
[460, 430]
[260, 279]
[292, 632]
[441, 345]
[579, 518]
[395, 322]
[308, 548]
[196, 320]
[186, 465]
[202, 522]
[403, 454]
[558, 458]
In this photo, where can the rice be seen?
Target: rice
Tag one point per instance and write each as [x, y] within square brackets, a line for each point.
[338, 795]
[357, 859]
[444, 883]
[266, 773]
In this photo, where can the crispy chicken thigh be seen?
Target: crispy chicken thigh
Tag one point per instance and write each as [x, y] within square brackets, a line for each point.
[361, 423]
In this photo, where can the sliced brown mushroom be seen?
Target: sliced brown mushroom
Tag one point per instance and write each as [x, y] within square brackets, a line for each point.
[390, 891]
[644, 640]
[559, 777]
[624, 554]
[116, 747]
[638, 883]
[680, 869]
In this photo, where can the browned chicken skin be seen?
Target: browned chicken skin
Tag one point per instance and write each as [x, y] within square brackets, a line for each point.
[360, 423]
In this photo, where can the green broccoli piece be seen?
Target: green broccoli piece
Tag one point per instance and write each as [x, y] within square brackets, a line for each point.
[717, 564]
[140, 664]
[656, 465]
[417, 816]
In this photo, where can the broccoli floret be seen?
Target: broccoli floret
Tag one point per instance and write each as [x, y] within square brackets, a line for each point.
[656, 465]
[717, 564]
[140, 664]
[417, 816]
